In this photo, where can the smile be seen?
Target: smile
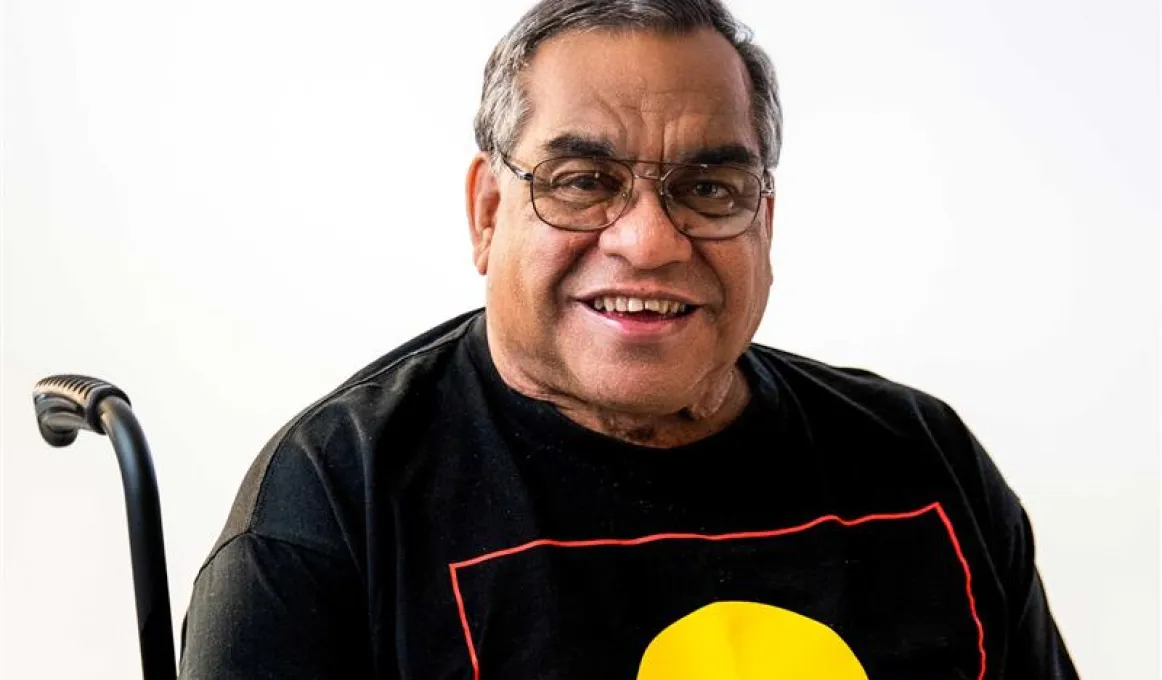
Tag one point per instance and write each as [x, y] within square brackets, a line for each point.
[643, 306]
[640, 319]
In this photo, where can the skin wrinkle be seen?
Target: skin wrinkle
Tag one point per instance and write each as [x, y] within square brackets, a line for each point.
[544, 344]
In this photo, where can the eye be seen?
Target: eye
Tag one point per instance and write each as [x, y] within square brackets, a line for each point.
[704, 191]
[586, 182]
[709, 190]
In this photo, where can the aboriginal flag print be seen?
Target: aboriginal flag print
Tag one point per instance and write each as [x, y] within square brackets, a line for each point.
[835, 598]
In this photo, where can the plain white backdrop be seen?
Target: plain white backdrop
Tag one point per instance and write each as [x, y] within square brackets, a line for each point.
[226, 208]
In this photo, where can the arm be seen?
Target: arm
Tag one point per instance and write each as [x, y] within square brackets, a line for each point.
[1036, 650]
[266, 608]
[283, 593]
[1036, 647]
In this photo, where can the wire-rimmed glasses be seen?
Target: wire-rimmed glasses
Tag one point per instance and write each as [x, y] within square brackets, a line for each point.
[706, 201]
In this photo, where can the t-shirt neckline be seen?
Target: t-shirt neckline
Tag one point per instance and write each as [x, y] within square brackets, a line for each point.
[545, 423]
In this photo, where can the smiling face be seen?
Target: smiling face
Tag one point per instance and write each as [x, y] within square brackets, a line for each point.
[643, 96]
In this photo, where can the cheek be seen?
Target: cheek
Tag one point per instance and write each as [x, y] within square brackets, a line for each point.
[744, 270]
[532, 261]
[759, 284]
[508, 261]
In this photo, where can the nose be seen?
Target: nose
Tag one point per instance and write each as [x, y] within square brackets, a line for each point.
[644, 236]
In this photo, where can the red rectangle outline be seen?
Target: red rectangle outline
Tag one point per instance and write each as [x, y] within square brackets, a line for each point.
[652, 538]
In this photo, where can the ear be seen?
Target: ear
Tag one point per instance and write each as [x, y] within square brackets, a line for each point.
[483, 194]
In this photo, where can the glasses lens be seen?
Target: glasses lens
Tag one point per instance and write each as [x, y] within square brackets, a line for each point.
[713, 202]
[580, 193]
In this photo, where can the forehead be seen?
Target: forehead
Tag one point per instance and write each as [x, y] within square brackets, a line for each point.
[647, 95]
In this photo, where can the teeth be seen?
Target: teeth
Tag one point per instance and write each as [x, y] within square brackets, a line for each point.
[632, 305]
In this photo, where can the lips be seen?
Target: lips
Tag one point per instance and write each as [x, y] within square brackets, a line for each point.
[646, 325]
[623, 304]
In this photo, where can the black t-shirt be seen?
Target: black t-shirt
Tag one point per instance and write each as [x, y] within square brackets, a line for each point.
[424, 521]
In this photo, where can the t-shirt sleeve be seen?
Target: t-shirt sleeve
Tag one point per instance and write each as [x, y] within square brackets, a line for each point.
[266, 608]
[1035, 648]
[284, 591]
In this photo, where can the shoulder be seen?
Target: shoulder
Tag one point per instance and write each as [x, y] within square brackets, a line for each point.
[897, 427]
[853, 396]
[876, 424]
[307, 486]
[379, 390]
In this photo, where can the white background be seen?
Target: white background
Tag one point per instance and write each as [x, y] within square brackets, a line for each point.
[226, 208]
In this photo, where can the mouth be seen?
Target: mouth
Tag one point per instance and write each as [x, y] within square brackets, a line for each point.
[639, 310]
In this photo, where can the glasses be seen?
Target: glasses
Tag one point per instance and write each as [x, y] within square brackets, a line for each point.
[587, 194]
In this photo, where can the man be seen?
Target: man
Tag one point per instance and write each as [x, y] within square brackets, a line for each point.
[599, 475]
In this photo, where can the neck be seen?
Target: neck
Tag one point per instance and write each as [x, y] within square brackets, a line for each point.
[721, 399]
[669, 430]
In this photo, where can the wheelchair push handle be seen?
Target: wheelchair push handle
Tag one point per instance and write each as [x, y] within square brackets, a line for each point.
[67, 404]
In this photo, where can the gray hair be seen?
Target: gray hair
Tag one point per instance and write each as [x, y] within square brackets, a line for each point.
[504, 108]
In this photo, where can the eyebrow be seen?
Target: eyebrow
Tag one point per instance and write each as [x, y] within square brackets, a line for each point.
[573, 144]
[736, 154]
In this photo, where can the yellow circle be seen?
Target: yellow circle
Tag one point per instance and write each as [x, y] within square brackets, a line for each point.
[748, 641]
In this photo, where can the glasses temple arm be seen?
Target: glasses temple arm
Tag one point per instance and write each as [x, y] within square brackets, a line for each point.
[520, 174]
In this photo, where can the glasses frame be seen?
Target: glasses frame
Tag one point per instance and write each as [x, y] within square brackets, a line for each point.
[766, 189]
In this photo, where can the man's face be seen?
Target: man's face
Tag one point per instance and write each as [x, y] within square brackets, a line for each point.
[642, 96]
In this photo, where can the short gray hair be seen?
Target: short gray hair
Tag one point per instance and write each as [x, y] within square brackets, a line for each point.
[504, 108]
